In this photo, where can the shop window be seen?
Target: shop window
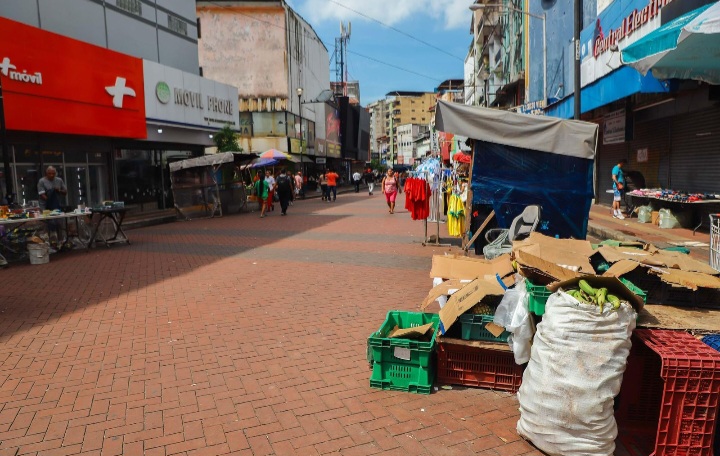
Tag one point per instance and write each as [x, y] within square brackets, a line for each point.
[271, 123]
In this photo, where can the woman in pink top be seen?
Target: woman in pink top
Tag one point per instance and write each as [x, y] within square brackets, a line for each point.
[390, 189]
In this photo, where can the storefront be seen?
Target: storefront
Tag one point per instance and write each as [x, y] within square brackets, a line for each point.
[666, 129]
[83, 109]
[64, 103]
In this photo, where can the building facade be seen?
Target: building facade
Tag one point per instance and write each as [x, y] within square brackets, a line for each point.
[407, 138]
[668, 130]
[280, 67]
[125, 57]
[404, 108]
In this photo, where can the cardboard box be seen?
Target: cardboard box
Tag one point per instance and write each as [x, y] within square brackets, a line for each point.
[462, 267]
[655, 217]
[613, 284]
[465, 298]
[543, 259]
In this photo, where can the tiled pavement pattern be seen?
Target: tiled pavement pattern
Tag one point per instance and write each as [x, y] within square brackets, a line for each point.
[236, 335]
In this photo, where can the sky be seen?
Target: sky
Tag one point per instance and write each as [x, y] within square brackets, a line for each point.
[444, 24]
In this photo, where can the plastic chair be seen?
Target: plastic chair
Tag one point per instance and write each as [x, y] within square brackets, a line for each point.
[521, 227]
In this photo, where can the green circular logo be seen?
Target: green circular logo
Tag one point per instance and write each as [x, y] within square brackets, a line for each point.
[162, 91]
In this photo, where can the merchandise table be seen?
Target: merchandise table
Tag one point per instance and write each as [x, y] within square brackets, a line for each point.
[662, 203]
[12, 224]
[116, 217]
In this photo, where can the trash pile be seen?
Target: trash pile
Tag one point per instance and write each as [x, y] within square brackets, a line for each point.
[598, 341]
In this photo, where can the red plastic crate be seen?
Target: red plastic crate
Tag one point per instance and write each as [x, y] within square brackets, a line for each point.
[668, 403]
[467, 364]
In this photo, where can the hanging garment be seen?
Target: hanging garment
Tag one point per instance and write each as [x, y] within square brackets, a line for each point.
[456, 216]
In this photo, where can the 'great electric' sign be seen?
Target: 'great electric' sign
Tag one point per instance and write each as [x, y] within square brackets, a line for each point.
[630, 24]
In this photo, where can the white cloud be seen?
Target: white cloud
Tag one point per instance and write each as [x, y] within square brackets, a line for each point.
[450, 13]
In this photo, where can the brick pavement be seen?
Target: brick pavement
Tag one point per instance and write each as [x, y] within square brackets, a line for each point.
[237, 335]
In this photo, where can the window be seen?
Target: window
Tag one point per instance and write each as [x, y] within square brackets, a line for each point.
[269, 123]
[177, 25]
[131, 6]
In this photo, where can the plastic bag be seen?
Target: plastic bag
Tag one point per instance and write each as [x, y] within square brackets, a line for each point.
[645, 214]
[575, 371]
[668, 220]
[513, 315]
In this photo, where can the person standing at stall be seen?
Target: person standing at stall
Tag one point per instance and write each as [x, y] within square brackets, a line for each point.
[50, 188]
[618, 178]
[390, 187]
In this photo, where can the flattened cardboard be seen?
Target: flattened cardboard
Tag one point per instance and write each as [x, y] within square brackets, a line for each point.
[613, 284]
[441, 290]
[499, 346]
[538, 267]
[410, 333]
[465, 299]
[495, 330]
[560, 252]
[461, 267]
[653, 257]
[677, 277]
[667, 317]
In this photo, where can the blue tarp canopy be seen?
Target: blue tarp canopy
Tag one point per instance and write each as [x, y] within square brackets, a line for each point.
[685, 48]
[522, 159]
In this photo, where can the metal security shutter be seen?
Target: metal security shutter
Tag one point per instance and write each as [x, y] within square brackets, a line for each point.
[655, 137]
[695, 153]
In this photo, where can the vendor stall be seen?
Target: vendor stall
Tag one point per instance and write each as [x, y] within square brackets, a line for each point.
[210, 185]
[521, 160]
[693, 209]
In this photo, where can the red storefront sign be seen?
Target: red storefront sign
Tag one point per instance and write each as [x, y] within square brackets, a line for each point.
[56, 84]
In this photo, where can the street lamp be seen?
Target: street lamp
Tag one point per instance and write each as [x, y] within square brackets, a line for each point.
[481, 6]
[299, 94]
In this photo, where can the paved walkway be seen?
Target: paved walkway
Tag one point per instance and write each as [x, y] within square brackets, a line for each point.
[602, 225]
[236, 335]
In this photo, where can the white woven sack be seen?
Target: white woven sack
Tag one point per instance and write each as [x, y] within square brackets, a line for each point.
[575, 371]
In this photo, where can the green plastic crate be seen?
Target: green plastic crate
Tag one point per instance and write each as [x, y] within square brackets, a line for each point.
[384, 349]
[631, 286]
[537, 297]
[403, 377]
[473, 328]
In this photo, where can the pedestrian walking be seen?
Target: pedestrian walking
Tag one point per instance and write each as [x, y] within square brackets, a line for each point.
[618, 178]
[271, 190]
[370, 181]
[260, 190]
[390, 188]
[357, 178]
[284, 186]
[332, 178]
[299, 185]
[323, 186]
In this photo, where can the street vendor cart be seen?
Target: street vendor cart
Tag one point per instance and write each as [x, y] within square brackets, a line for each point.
[211, 185]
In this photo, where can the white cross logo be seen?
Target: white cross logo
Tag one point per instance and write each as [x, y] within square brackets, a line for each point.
[118, 91]
[6, 66]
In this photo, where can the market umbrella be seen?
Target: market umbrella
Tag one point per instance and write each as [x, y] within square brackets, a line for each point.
[259, 163]
[276, 155]
[685, 48]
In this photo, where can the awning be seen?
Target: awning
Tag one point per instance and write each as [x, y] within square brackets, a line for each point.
[574, 138]
[686, 48]
[207, 160]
